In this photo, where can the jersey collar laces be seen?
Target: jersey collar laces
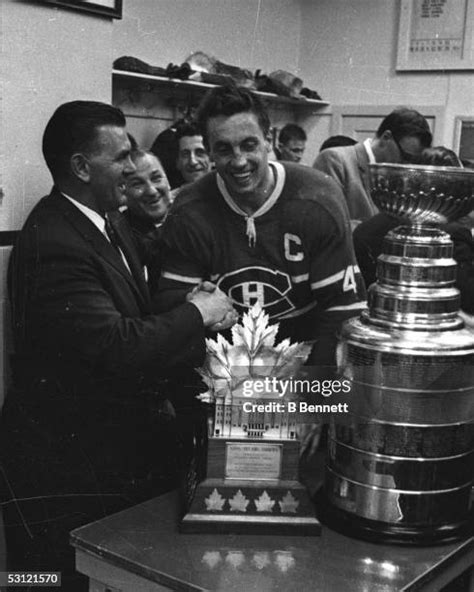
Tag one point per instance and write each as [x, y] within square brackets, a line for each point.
[251, 230]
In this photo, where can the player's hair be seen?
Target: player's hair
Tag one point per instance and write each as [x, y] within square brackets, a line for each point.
[405, 122]
[73, 128]
[440, 156]
[291, 131]
[229, 100]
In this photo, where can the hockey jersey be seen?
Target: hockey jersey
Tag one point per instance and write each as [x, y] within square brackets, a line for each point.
[294, 255]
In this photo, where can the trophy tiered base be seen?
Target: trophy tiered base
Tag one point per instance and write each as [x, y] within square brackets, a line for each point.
[251, 487]
[400, 465]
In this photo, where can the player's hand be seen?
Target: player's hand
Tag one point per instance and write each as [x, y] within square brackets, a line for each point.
[215, 307]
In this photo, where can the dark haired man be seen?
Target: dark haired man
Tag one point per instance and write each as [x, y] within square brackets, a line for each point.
[291, 143]
[400, 138]
[337, 140]
[192, 160]
[81, 431]
[267, 232]
[181, 151]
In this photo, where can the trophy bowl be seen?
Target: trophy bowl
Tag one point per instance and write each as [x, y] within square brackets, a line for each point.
[422, 194]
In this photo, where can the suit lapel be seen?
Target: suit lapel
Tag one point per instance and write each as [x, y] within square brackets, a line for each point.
[363, 164]
[127, 245]
[104, 249]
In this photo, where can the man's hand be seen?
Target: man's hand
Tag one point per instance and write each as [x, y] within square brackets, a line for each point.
[230, 319]
[215, 307]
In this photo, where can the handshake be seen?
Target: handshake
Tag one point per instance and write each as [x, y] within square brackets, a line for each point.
[215, 307]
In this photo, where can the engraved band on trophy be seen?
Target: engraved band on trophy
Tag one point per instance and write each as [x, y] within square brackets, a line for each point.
[400, 465]
[251, 485]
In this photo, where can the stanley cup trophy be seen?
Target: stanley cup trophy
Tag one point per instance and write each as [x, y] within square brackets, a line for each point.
[252, 483]
[400, 466]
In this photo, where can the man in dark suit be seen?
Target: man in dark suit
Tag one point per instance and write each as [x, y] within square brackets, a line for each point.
[82, 430]
[400, 138]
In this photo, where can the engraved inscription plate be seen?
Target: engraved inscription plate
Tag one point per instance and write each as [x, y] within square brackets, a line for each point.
[253, 461]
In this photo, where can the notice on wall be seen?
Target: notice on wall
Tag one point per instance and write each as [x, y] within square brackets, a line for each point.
[435, 34]
[438, 26]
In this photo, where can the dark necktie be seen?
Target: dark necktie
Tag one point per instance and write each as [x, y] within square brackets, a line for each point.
[115, 241]
[130, 262]
[110, 231]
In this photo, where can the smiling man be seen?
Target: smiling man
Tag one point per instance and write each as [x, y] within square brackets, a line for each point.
[148, 190]
[268, 232]
[401, 138]
[81, 434]
[148, 200]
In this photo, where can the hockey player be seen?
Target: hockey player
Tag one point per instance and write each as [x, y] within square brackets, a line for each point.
[272, 232]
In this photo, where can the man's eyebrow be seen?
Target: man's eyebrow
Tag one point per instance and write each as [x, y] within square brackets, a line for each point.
[124, 153]
[221, 144]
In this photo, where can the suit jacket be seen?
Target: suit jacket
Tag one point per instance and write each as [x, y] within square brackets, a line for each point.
[349, 167]
[84, 417]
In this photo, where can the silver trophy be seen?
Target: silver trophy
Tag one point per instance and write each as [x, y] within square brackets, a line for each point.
[401, 465]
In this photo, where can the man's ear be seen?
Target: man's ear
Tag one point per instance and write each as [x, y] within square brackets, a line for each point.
[268, 143]
[80, 167]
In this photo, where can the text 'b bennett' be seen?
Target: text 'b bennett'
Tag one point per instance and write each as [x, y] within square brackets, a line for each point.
[294, 407]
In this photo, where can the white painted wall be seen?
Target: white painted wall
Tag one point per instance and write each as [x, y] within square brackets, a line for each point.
[252, 34]
[247, 33]
[348, 52]
[49, 56]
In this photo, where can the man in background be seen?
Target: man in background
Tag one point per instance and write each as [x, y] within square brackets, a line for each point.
[81, 434]
[337, 140]
[291, 143]
[400, 138]
[192, 160]
[182, 153]
[148, 200]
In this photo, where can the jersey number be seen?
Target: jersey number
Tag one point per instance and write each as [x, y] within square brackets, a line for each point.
[349, 282]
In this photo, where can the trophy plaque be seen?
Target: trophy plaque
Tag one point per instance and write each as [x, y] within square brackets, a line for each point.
[400, 465]
[252, 483]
